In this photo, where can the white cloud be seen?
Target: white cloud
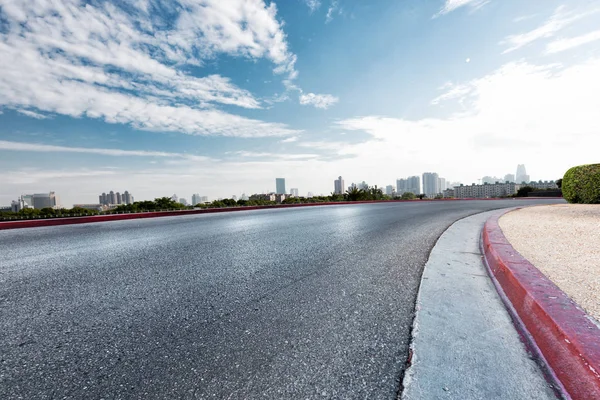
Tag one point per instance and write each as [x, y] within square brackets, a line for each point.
[451, 5]
[290, 139]
[81, 59]
[32, 114]
[544, 116]
[334, 7]
[323, 101]
[452, 92]
[570, 43]
[559, 20]
[313, 5]
[45, 148]
[272, 156]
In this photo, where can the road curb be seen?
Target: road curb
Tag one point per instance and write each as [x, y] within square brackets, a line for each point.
[560, 331]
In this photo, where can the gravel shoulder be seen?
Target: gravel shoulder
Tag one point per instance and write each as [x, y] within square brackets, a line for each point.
[563, 242]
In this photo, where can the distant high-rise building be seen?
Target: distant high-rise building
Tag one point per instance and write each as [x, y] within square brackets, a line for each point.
[509, 178]
[294, 192]
[309, 195]
[203, 199]
[338, 186]
[363, 185]
[183, 201]
[127, 198]
[431, 184]
[195, 199]
[401, 186]
[389, 190]
[352, 186]
[522, 174]
[43, 200]
[119, 198]
[103, 199]
[413, 184]
[442, 184]
[280, 186]
[112, 198]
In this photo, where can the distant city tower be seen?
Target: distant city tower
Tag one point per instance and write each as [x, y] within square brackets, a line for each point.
[280, 185]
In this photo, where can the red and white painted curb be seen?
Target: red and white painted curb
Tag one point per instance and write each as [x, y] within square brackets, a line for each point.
[559, 330]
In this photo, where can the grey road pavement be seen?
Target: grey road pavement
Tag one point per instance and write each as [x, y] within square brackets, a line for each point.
[296, 303]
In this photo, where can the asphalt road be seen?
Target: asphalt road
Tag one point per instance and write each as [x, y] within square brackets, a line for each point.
[312, 302]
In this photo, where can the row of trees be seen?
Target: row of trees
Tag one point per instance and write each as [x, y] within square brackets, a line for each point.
[47, 212]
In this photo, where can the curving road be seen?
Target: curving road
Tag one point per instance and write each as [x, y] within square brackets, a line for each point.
[312, 302]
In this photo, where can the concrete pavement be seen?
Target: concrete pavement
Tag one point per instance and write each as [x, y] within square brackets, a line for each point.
[465, 345]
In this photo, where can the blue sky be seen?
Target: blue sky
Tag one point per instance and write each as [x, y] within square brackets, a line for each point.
[219, 97]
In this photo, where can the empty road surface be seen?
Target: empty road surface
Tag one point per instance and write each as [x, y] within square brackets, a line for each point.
[312, 302]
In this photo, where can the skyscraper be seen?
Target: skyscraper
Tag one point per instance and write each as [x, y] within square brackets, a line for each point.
[401, 186]
[294, 192]
[338, 186]
[431, 184]
[127, 198]
[112, 198]
[389, 190]
[522, 174]
[509, 178]
[413, 184]
[442, 184]
[119, 198]
[195, 199]
[280, 186]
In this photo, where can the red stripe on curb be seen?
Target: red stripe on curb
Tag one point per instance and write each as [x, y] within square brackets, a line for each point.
[36, 223]
[564, 334]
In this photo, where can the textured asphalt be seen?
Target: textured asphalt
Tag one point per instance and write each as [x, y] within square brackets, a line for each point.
[312, 302]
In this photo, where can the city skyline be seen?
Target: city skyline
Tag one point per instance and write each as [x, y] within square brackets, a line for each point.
[257, 90]
[414, 184]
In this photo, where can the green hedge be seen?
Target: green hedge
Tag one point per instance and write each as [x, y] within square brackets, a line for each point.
[582, 184]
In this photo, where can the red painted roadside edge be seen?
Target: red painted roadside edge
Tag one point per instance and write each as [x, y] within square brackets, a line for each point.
[564, 334]
[35, 223]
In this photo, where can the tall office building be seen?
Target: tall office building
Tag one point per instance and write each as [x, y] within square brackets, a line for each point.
[413, 184]
[294, 192]
[509, 178]
[522, 174]
[195, 199]
[401, 186]
[389, 190]
[280, 186]
[338, 186]
[119, 198]
[431, 184]
[442, 184]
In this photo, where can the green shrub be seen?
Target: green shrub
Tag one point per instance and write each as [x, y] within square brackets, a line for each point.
[582, 184]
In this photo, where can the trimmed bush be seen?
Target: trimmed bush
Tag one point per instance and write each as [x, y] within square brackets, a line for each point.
[582, 184]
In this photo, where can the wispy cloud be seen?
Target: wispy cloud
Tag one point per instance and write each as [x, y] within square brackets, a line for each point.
[512, 106]
[451, 5]
[560, 19]
[127, 65]
[290, 139]
[313, 4]
[45, 148]
[274, 156]
[323, 101]
[566, 44]
[333, 8]
[32, 114]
